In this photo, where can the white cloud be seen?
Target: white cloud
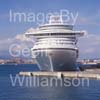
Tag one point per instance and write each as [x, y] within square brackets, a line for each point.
[89, 50]
[21, 41]
[90, 46]
[23, 38]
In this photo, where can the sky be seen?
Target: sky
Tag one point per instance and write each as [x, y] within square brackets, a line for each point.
[88, 19]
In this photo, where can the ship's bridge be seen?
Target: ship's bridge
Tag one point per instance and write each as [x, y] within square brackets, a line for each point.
[55, 28]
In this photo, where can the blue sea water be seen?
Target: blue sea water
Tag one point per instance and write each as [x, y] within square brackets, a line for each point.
[9, 92]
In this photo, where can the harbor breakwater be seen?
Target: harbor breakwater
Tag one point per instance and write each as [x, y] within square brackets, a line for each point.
[90, 73]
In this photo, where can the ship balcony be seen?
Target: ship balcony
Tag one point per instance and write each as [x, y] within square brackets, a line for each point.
[54, 45]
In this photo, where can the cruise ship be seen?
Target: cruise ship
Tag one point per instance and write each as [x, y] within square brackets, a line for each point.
[55, 48]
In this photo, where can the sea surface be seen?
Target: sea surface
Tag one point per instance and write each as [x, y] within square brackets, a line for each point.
[11, 92]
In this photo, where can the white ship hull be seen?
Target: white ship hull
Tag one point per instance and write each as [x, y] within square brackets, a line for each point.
[56, 59]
